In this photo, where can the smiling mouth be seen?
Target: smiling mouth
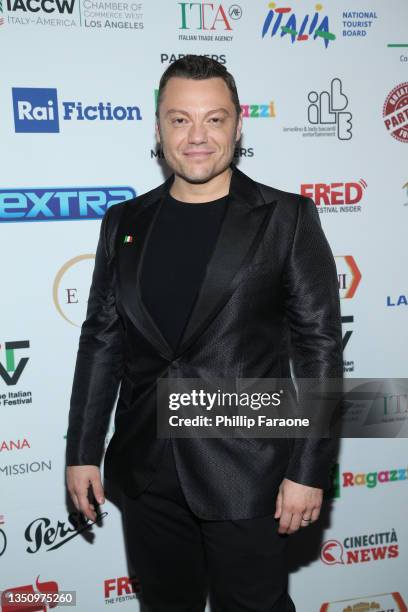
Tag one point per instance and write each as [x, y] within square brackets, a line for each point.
[198, 153]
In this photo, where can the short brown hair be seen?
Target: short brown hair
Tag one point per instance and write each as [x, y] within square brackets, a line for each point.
[198, 67]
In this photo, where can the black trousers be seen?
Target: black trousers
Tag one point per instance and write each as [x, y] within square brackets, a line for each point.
[180, 558]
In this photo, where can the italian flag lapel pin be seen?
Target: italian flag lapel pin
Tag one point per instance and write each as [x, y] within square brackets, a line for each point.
[127, 239]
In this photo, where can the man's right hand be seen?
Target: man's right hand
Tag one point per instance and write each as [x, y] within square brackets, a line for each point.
[79, 478]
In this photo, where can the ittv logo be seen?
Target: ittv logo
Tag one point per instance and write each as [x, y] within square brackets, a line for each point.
[337, 196]
[360, 549]
[120, 589]
[11, 372]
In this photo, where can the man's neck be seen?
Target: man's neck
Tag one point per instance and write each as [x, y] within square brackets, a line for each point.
[216, 188]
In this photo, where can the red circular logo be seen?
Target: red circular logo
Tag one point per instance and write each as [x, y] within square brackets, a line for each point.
[395, 112]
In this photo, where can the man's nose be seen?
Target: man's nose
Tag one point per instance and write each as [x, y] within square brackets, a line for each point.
[197, 133]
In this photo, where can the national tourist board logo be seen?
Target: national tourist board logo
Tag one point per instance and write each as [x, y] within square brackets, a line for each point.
[207, 21]
[103, 14]
[395, 112]
[292, 25]
[36, 110]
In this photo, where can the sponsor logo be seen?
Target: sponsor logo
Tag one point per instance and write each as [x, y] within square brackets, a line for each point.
[359, 549]
[405, 188]
[335, 197]
[370, 480]
[397, 300]
[348, 274]
[71, 288]
[384, 602]
[41, 534]
[10, 445]
[169, 58]
[327, 114]
[36, 111]
[12, 371]
[357, 23]
[60, 203]
[17, 469]
[98, 14]
[395, 112]
[281, 22]
[120, 589]
[207, 17]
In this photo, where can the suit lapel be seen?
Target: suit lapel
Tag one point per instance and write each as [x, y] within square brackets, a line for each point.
[240, 233]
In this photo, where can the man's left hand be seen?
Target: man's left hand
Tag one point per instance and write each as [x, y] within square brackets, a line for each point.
[297, 505]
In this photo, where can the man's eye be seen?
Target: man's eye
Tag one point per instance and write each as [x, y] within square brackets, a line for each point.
[178, 120]
[215, 120]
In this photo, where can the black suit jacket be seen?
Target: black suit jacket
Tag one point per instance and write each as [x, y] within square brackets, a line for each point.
[270, 287]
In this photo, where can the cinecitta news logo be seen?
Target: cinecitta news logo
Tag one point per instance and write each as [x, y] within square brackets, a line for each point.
[36, 110]
[60, 203]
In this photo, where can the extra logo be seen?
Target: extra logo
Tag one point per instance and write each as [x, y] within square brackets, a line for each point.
[282, 22]
[60, 203]
[36, 111]
[395, 112]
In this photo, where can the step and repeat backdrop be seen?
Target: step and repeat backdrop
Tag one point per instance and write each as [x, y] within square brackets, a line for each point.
[324, 92]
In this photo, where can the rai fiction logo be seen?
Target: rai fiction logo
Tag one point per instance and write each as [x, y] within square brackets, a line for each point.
[338, 197]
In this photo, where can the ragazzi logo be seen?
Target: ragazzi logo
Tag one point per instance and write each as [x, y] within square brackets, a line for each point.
[36, 111]
[361, 548]
[281, 22]
[60, 203]
[336, 197]
[370, 480]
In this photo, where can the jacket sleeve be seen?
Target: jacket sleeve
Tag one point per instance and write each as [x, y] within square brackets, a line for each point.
[312, 305]
[99, 361]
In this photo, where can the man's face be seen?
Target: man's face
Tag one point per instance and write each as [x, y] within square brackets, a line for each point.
[198, 127]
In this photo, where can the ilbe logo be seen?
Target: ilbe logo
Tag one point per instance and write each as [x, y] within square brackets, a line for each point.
[35, 110]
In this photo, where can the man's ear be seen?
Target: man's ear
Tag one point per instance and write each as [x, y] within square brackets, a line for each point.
[239, 128]
[157, 131]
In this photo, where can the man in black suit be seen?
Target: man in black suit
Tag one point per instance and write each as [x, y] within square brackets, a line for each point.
[211, 274]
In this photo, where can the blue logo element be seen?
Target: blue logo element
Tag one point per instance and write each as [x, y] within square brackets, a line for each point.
[60, 203]
[35, 110]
